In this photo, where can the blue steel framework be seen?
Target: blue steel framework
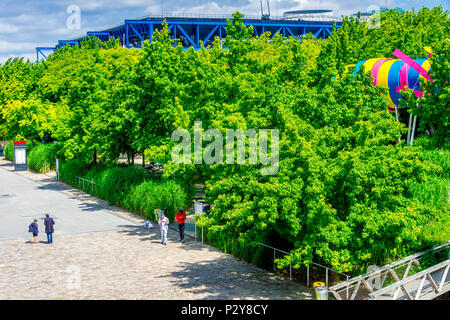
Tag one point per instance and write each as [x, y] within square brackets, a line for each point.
[40, 52]
[194, 31]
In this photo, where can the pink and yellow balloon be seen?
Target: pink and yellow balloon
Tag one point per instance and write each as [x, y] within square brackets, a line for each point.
[396, 74]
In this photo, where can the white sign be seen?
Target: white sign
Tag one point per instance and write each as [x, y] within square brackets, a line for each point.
[198, 207]
[19, 156]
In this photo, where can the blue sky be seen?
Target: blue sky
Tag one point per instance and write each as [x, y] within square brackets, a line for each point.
[27, 24]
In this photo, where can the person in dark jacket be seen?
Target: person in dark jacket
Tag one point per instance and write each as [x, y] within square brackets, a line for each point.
[33, 228]
[207, 208]
[48, 222]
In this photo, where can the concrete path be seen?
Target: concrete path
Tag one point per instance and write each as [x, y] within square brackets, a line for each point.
[133, 264]
[103, 252]
[22, 200]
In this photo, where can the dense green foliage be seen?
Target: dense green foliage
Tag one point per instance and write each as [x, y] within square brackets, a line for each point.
[345, 195]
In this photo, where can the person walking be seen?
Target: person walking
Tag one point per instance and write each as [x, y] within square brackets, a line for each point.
[181, 219]
[48, 222]
[207, 208]
[164, 226]
[33, 228]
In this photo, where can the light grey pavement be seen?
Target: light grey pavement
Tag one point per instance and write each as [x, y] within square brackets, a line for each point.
[22, 200]
[133, 264]
[88, 261]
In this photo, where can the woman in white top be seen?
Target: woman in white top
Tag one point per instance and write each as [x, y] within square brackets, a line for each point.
[164, 226]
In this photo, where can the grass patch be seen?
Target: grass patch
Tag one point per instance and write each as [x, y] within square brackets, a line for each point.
[434, 193]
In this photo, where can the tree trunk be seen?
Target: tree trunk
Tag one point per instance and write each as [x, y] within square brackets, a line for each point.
[95, 156]
[143, 160]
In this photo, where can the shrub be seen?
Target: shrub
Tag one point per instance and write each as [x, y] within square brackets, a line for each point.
[71, 169]
[43, 155]
[437, 231]
[149, 195]
[116, 182]
[9, 151]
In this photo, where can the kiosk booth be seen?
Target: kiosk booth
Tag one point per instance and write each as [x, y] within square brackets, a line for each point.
[20, 155]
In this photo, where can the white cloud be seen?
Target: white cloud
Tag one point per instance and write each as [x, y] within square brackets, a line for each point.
[29, 56]
[8, 28]
[26, 24]
[11, 47]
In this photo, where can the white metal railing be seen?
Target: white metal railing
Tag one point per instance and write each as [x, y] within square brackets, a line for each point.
[193, 15]
[426, 284]
[303, 17]
[275, 250]
[362, 286]
[80, 181]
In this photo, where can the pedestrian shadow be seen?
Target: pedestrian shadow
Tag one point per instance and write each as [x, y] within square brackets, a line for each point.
[226, 279]
[40, 241]
[76, 194]
[153, 234]
[51, 184]
[144, 234]
[86, 206]
[173, 236]
[139, 231]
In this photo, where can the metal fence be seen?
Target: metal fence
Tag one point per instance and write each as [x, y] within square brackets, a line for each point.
[378, 278]
[87, 186]
[307, 275]
[188, 15]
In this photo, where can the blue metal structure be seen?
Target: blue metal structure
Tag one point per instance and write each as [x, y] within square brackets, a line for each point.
[62, 43]
[40, 52]
[192, 31]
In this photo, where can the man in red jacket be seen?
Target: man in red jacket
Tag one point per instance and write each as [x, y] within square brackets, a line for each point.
[181, 218]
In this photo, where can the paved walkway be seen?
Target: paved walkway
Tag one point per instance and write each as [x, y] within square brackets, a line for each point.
[22, 200]
[128, 262]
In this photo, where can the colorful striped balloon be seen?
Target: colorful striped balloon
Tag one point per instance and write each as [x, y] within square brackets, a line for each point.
[394, 74]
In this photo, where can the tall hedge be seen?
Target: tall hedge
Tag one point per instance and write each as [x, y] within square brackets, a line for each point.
[43, 157]
[130, 187]
[9, 151]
